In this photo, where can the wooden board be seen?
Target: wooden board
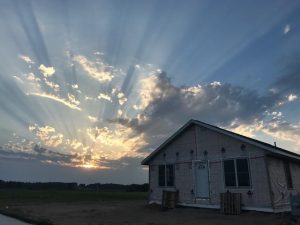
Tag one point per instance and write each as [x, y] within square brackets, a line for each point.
[230, 203]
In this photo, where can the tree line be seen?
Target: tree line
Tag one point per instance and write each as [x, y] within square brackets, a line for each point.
[73, 186]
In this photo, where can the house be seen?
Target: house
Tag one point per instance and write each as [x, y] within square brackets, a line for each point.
[201, 161]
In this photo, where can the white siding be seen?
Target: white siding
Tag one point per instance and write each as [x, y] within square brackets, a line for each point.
[278, 182]
[201, 139]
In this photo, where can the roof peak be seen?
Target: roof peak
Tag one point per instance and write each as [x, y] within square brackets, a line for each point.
[271, 148]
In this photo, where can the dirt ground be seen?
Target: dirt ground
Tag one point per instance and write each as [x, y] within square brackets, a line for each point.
[137, 212]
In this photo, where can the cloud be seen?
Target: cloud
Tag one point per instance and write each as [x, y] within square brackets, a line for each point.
[72, 103]
[286, 29]
[292, 97]
[26, 59]
[121, 98]
[276, 127]
[289, 81]
[46, 71]
[99, 71]
[224, 105]
[47, 135]
[18, 79]
[115, 143]
[32, 77]
[92, 119]
[32, 85]
[283, 130]
[88, 98]
[120, 112]
[75, 144]
[52, 85]
[38, 153]
[105, 97]
[29, 83]
[75, 86]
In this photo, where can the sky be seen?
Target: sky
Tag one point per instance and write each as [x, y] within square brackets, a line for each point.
[90, 88]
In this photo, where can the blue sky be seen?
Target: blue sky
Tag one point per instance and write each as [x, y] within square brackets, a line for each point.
[89, 88]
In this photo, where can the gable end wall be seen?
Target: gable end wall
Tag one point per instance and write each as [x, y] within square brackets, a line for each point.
[200, 139]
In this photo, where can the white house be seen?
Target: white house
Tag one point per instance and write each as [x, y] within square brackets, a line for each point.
[201, 161]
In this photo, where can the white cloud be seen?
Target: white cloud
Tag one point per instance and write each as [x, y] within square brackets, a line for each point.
[92, 119]
[47, 135]
[121, 98]
[292, 97]
[29, 82]
[71, 103]
[88, 98]
[148, 91]
[46, 71]
[32, 77]
[18, 79]
[193, 90]
[98, 53]
[73, 100]
[75, 144]
[215, 84]
[51, 84]
[26, 59]
[286, 29]
[117, 142]
[75, 86]
[120, 112]
[98, 71]
[105, 97]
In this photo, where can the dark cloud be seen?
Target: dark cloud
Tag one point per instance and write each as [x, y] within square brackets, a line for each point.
[290, 81]
[214, 103]
[39, 153]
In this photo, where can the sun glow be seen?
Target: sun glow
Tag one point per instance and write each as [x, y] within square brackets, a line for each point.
[89, 166]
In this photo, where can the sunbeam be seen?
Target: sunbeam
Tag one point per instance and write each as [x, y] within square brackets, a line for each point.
[89, 85]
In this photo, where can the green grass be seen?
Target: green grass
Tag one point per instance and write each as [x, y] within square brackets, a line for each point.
[19, 196]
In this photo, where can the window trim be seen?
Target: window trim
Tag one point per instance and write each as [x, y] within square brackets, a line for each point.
[236, 176]
[165, 178]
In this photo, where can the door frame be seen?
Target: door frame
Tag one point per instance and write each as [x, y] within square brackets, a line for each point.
[194, 178]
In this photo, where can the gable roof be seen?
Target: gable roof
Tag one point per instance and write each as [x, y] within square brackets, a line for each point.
[270, 148]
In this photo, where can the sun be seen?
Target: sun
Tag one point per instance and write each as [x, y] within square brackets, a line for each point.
[89, 166]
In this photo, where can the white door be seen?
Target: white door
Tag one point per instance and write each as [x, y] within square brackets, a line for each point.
[201, 179]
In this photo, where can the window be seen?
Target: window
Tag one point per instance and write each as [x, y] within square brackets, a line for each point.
[242, 170]
[288, 175]
[170, 175]
[236, 173]
[161, 175]
[229, 171]
[166, 175]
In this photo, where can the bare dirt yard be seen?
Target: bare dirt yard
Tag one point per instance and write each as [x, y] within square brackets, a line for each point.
[51, 207]
[137, 212]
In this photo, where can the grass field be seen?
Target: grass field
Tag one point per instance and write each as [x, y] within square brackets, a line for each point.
[16, 196]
